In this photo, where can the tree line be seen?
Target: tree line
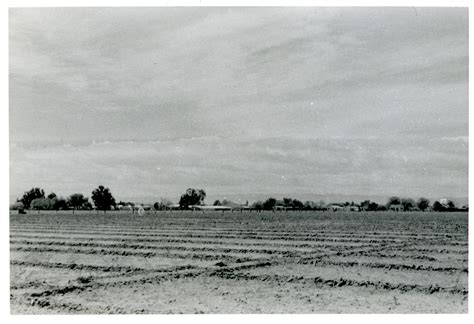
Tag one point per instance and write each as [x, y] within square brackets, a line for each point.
[103, 200]
[393, 203]
[37, 200]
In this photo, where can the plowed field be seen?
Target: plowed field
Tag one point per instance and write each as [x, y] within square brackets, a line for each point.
[283, 262]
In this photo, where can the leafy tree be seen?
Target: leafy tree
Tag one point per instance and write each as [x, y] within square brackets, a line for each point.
[373, 206]
[444, 206]
[309, 205]
[76, 201]
[451, 205]
[437, 206]
[258, 205]
[18, 205]
[52, 196]
[269, 204]
[192, 197]
[291, 203]
[202, 195]
[53, 199]
[163, 204]
[29, 196]
[423, 203]
[103, 198]
[369, 206]
[365, 205]
[321, 205]
[60, 204]
[297, 204]
[217, 203]
[287, 202]
[87, 206]
[408, 204]
[42, 204]
[394, 201]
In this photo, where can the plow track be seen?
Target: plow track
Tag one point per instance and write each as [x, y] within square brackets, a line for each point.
[59, 261]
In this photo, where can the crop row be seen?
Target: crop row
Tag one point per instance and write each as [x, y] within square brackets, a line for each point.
[132, 245]
[418, 248]
[234, 274]
[259, 229]
[232, 230]
[322, 282]
[310, 258]
[198, 235]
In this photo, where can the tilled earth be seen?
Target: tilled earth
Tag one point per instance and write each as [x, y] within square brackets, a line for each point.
[213, 262]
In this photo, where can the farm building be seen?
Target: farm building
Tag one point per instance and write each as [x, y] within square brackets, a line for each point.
[209, 208]
[174, 207]
[353, 208]
[343, 207]
[144, 207]
[336, 207]
[397, 208]
[125, 207]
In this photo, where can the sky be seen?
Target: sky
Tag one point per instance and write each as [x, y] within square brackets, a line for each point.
[243, 102]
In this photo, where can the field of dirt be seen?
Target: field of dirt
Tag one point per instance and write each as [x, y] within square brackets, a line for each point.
[283, 262]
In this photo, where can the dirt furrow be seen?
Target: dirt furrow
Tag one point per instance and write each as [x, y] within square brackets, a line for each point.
[281, 238]
[342, 282]
[129, 244]
[379, 265]
[264, 231]
[108, 250]
[182, 256]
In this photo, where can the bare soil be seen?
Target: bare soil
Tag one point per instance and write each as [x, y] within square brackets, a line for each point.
[284, 262]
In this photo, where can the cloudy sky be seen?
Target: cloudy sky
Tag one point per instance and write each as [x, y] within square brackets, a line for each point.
[239, 101]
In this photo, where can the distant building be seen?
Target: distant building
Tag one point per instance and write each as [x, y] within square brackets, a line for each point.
[352, 208]
[174, 206]
[209, 208]
[397, 208]
[336, 207]
[125, 207]
[144, 207]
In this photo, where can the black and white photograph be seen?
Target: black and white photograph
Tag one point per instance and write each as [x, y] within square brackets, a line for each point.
[238, 160]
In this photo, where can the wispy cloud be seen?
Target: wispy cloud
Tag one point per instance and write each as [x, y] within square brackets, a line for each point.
[360, 166]
[298, 99]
